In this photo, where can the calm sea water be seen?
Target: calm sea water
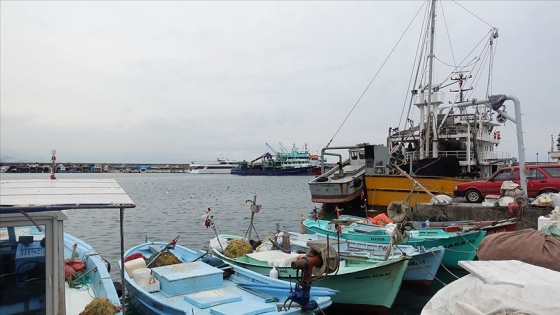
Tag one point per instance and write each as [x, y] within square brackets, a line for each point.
[168, 205]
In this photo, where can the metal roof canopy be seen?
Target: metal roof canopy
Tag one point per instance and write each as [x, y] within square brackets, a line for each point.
[49, 195]
[52, 195]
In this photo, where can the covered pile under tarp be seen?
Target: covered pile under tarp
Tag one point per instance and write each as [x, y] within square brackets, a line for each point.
[498, 287]
[529, 245]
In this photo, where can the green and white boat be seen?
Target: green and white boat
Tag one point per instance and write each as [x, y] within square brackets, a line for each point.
[364, 285]
[458, 245]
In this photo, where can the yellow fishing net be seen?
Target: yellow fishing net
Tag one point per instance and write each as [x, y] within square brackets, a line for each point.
[165, 259]
[100, 306]
[237, 248]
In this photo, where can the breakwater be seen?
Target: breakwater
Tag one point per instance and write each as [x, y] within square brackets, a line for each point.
[23, 167]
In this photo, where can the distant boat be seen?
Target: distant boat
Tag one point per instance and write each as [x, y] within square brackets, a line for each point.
[223, 166]
[294, 162]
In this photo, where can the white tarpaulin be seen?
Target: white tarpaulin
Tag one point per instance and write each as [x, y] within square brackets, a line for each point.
[499, 287]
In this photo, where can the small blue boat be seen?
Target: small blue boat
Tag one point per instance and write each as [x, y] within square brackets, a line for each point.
[200, 284]
[458, 246]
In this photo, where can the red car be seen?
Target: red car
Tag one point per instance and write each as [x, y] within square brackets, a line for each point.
[541, 178]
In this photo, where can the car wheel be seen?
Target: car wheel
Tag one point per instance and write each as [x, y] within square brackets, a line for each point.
[472, 195]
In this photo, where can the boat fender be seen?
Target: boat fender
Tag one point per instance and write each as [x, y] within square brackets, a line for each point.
[134, 264]
[107, 264]
[286, 241]
[357, 182]
[118, 287]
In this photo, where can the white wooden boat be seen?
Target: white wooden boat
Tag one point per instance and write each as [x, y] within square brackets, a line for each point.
[34, 248]
[421, 270]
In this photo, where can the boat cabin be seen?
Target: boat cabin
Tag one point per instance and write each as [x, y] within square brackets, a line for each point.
[32, 238]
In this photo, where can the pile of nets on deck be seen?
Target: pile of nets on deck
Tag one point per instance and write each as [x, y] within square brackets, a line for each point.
[100, 306]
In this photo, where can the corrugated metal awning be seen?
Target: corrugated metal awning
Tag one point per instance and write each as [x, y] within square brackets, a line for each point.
[48, 195]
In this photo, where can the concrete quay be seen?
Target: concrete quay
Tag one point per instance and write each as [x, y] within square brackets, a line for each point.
[457, 210]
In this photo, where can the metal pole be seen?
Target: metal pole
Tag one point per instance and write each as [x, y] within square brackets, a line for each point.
[494, 102]
[123, 294]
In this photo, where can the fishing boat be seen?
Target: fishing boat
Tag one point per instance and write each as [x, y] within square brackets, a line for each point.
[421, 270]
[448, 141]
[345, 182]
[283, 163]
[490, 226]
[443, 141]
[458, 246]
[191, 282]
[366, 285]
[522, 288]
[43, 269]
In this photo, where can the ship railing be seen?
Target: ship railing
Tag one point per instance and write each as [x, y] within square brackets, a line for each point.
[483, 157]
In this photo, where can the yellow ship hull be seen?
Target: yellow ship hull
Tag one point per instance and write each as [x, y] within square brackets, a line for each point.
[381, 190]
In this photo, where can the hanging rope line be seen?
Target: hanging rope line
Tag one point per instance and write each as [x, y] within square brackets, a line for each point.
[374, 77]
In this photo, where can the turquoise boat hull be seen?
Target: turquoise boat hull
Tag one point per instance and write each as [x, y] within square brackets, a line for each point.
[458, 246]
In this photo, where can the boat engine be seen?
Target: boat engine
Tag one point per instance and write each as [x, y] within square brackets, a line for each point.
[319, 260]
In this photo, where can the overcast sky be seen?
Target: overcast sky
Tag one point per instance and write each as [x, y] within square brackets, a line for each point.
[182, 81]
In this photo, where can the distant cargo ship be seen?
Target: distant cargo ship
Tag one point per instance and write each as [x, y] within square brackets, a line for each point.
[295, 162]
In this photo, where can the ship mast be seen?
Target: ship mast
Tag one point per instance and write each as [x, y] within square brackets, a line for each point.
[431, 111]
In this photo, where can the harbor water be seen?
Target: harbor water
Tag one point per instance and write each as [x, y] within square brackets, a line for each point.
[170, 205]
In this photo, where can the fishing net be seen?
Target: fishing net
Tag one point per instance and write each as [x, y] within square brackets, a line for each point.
[101, 306]
[80, 280]
[165, 259]
[237, 248]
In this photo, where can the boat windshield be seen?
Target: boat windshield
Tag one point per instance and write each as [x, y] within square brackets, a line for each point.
[22, 269]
